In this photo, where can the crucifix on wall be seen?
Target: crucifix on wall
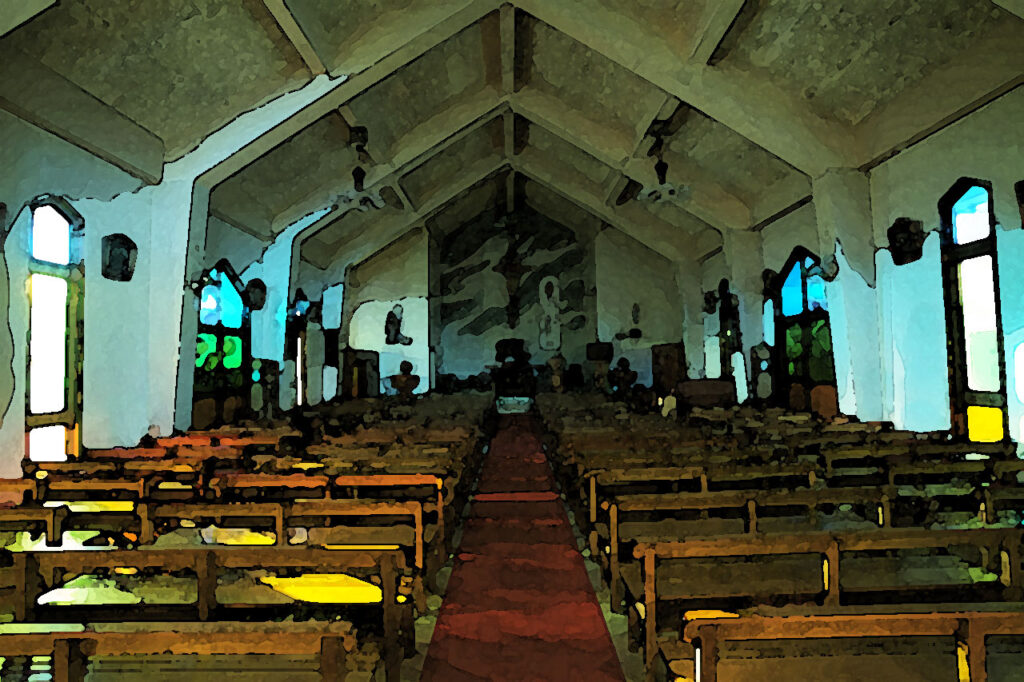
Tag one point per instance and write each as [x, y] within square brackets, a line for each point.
[512, 268]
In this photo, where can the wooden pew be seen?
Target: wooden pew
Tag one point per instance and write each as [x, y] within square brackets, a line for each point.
[747, 506]
[71, 647]
[45, 570]
[829, 547]
[970, 628]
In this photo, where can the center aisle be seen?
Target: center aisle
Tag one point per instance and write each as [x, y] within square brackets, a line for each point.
[519, 605]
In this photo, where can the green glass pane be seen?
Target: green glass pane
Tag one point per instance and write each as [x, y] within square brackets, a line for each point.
[820, 363]
[232, 352]
[794, 342]
[206, 345]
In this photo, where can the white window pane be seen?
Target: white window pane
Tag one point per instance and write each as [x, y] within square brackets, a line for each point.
[48, 444]
[739, 373]
[978, 299]
[712, 358]
[51, 236]
[970, 216]
[298, 374]
[768, 322]
[1018, 372]
[48, 344]
[330, 382]
[230, 303]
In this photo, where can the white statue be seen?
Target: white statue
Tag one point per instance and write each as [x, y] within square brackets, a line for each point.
[552, 306]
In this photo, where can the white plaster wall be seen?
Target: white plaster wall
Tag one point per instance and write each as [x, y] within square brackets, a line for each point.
[332, 300]
[628, 272]
[116, 317]
[36, 162]
[366, 331]
[799, 228]
[275, 267]
[915, 389]
[226, 241]
[853, 317]
[1010, 253]
[396, 274]
[399, 270]
[12, 431]
[988, 144]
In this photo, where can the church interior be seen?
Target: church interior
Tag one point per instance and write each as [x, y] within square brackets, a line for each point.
[461, 340]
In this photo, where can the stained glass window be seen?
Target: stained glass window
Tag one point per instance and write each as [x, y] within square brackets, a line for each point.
[978, 385]
[51, 236]
[793, 292]
[53, 410]
[970, 216]
[768, 322]
[223, 369]
[800, 327]
[48, 344]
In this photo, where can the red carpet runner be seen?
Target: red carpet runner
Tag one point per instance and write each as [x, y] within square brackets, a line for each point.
[519, 605]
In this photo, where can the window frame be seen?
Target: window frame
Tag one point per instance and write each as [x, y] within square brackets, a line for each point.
[961, 396]
[70, 417]
[782, 379]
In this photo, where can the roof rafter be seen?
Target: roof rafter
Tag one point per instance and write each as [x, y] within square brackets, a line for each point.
[592, 204]
[751, 106]
[718, 17]
[365, 242]
[286, 20]
[707, 200]
[352, 86]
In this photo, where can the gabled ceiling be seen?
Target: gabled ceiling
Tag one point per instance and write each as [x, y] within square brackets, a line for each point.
[180, 69]
[455, 107]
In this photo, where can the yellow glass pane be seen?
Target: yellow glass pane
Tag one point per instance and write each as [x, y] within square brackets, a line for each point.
[984, 424]
[326, 588]
[93, 506]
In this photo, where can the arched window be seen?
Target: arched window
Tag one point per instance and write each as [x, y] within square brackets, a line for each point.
[223, 371]
[803, 337]
[973, 322]
[56, 295]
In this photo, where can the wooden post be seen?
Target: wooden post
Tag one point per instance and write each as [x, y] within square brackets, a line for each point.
[28, 585]
[392, 645]
[886, 506]
[615, 578]
[146, 532]
[751, 516]
[650, 619]
[832, 589]
[206, 572]
[69, 659]
[1012, 546]
[281, 537]
[440, 520]
[708, 653]
[418, 523]
[976, 664]
[332, 659]
[55, 526]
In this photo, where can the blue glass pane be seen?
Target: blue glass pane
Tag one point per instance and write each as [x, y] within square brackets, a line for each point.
[793, 293]
[209, 305]
[231, 304]
[816, 293]
[768, 322]
[970, 216]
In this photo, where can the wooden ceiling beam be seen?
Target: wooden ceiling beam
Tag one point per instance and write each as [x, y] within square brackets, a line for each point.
[718, 18]
[286, 20]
